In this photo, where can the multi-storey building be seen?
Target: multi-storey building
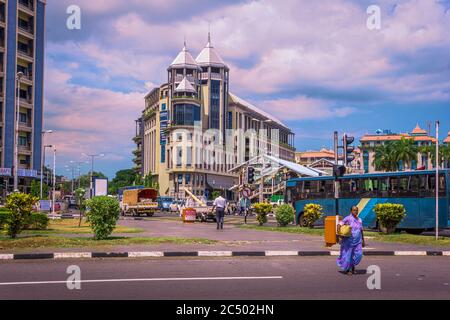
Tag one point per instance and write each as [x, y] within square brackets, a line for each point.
[370, 142]
[22, 28]
[195, 130]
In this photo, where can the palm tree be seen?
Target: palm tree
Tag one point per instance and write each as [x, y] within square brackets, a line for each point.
[384, 158]
[405, 150]
[444, 154]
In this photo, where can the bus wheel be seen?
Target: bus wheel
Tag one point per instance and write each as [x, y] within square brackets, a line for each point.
[302, 221]
[414, 231]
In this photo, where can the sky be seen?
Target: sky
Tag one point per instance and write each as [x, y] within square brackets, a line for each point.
[313, 64]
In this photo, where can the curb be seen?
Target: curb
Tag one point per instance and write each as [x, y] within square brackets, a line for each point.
[160, 254]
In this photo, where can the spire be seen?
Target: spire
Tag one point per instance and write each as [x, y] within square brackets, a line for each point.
[209, 37]
[209, 56]
[184, 58]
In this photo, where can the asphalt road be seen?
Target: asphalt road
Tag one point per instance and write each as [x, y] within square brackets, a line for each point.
[226, 278]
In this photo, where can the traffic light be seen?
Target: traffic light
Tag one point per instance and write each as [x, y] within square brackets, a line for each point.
[339, 171]
[250, 175]
[348, 149]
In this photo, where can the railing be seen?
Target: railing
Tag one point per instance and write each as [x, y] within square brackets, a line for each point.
[26, 4]
[24, 148]
[28, 30]
[28, 54]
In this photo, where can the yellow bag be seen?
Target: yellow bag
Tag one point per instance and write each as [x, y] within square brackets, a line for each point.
[345, 231]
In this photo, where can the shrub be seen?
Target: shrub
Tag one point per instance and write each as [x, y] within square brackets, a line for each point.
[389, 215]
[20, 206]
[102, 215]
[37, 221]
[311, 213]
[284, 214]
[262, 209]
[3, 217]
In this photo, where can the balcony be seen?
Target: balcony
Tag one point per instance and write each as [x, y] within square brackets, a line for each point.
[26, 55]
[214, 76]
[26, 150]
[26, 6]
[26, 32]
[26, 103]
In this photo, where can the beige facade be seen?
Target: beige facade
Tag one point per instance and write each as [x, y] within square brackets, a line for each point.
[194, 131]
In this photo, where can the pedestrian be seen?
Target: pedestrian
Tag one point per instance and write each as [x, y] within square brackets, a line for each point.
[220, 205]
[351, 246]
[245, 206]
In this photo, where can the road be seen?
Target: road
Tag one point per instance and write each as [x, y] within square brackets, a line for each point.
[226, 278]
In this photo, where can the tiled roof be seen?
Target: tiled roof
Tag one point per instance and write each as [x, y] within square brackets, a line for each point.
[447, 140]
[418, 130]
[395, 137]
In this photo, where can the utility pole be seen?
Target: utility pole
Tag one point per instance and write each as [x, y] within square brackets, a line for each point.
[92, 156]
[43, 157]
[54, 180]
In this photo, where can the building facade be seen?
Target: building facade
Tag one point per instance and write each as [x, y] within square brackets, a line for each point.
[195, 131]
[22, 29]
[370, 142]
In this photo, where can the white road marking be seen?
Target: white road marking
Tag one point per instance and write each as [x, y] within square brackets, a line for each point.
[446, 253]
[6, 256]
[141, 280]
[335, 253]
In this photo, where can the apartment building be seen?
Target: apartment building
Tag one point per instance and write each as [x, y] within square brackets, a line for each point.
[22, 29]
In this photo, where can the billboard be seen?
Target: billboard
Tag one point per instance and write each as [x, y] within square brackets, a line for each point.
[100, 187]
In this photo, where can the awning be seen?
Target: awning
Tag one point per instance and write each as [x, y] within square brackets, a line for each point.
[220, 182]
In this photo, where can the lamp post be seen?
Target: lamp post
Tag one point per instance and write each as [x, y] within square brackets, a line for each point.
[437, 180]
[16, 134]
[92, 156]
[43, 156]
[54, 180]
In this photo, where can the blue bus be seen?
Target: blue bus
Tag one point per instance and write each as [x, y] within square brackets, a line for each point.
[413, 189]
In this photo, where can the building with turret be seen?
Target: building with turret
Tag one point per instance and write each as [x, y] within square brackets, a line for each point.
[193, 131]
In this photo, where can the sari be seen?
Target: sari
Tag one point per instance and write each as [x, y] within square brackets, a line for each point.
[351, 247]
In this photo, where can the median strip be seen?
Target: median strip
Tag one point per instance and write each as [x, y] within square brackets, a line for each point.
[206, 254]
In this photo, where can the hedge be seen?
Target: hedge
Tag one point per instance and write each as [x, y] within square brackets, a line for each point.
[37, 221]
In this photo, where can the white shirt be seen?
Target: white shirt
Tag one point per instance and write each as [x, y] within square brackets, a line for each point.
[220, 202]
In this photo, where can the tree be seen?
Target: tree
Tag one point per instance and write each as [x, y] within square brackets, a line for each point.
[80, 194]
[124, 178]
[405, 151]
[36, 190]
[102, 215]
[384, 158]
[85, 180]
[444, 154]
[20, 206]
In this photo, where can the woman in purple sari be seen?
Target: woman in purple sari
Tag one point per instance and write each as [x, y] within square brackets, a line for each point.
[351, 247]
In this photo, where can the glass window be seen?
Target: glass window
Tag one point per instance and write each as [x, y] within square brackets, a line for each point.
[179, 156]
[186, 114]
[215, 105]
[189, 156]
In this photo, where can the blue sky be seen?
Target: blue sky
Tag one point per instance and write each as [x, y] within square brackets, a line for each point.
[313, 64]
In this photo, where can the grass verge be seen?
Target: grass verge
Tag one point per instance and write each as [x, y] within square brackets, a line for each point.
[36, 242]
[393, 238]
[70, 226]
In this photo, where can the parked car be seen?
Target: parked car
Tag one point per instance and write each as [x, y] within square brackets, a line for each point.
[175, 206]
[164, 203]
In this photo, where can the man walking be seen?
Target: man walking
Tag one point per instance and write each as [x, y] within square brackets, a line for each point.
[220, 205]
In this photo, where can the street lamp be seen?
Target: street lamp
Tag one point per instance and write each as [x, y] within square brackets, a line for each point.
[79, 164]
[92, 156]
[16, 136]
[43, 156]
[54, 179]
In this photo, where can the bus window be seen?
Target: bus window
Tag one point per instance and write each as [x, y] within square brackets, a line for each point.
[329, 189]
[393, 187]
[349, 188]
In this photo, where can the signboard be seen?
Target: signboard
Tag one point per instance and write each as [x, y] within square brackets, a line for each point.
[45, 205]
[5, 172]
[27, 173]
[100, 187]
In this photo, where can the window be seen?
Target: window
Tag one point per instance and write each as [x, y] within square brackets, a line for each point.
[187, 179]
[186, 114]
[215, 105]
[189, 156]
[179, 156]
[230, 120]
[22, 141]
[163, 153]
[23, 117]
[163, 107]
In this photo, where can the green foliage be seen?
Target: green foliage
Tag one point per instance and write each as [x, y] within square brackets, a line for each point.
[444, 154]
[79, 197]
[389, 215]
[311, 213]
[389, 155]
[36, 190]
[102, 215]
[36, 221]
[124, 178]
[85, 180]
[215, 194]
[284, 214]
[262, 209]
[20, 206]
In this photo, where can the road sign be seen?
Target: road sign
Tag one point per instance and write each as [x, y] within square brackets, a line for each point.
[246, 192]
